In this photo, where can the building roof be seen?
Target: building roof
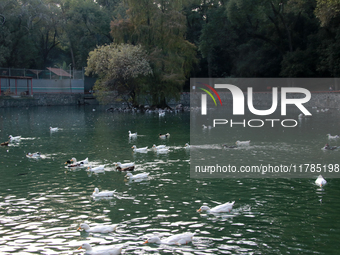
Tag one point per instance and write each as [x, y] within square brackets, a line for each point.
[59, 72]
[35, 71]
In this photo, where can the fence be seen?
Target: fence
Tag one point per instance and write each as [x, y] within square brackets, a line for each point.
[58, 86]
[15, 82]
[51, 73]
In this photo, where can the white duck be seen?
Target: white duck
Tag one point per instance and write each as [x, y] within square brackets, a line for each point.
[143, 149]
[125, 167]
[240, 143]
[85, 161]
[14, 138]
[332, 136]
[97, 169]
[132, 134]
[54, 129]
[178, 239]
[158, 146]
[329, 148]
[96, 193]
[108, 250]
[161, 114]
[320, 181]
[163, 150]
[98, 228]
[137, 176]
[167, 135]
[33, 155]
[217, 209]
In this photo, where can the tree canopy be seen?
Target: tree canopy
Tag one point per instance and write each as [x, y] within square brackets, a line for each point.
[181, 39]
[118, 68]
[159, 26]
[44, 33]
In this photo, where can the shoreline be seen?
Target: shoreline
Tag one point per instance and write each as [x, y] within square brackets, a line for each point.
[320, 99]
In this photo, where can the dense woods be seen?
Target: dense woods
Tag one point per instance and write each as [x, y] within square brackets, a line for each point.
[181, 38]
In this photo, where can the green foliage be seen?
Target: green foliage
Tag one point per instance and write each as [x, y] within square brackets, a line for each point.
[119, 68]
[298, 64]
[122, 62]
[329, 53]
[214, 38]
[326, 10]
[85, 25]
[14, 31]
[255, 38]
[43, 33]
[5, 41]
[160, 27]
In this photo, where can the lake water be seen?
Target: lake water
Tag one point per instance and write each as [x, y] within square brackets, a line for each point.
[42, 203]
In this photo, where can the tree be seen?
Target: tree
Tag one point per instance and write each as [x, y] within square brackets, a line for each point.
[43, 25]
[269, 32]
[160, 27]
[217, 39]
[42, 33]
[13, 33]
[85, 25]
[326, 10]
[4, 41]
[120, 68]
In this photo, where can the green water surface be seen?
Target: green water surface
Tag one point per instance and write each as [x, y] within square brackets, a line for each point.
[42, 203]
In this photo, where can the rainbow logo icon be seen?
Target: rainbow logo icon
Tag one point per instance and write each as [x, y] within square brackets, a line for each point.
[209, 93]
[204, 98]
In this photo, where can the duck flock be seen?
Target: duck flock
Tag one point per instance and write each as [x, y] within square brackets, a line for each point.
[176, 239]
[73, 163]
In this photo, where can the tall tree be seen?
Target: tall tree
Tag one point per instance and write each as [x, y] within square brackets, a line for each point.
[217, 40]
[270, 30]
[44, 26]
[85, 25]
[160, 27]
[4, 40]
[14, 31]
